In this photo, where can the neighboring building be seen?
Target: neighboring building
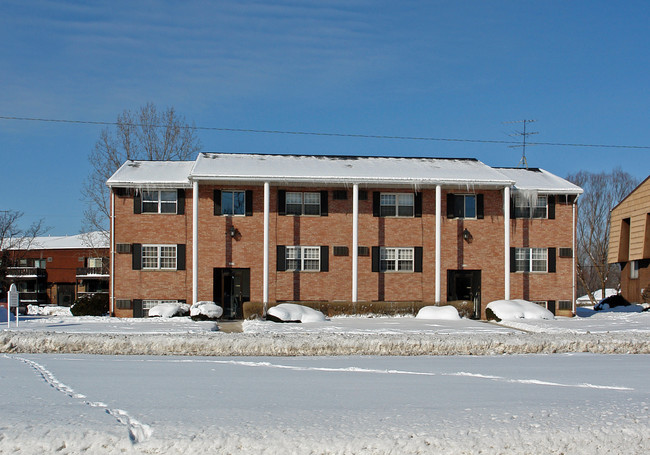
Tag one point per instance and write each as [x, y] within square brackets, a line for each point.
[629, 241]
[274, 228]
[58, 269]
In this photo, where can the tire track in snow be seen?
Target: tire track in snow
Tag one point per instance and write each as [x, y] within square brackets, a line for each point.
[138, 431]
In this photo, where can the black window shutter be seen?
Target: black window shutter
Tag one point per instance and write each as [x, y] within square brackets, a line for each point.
[137, 202]
[451, 200]
[136, 253]
[376, 204]
[551, 260]
[137, 308]
[550, 306]
[217, 202]
[417, 264]
[324, 258]
[281, 258]
[479, 207]
[418, 205]
[512, 207]
[282, 197]
[375, 259]
[551, 207]
[323, 203]
[513, 260]
[180, 256]
[249, 202]
[180, 202]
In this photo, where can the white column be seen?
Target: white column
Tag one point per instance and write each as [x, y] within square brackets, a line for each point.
[506, 242]
[195, 241]
[355, 241]
[112, 258]
[265, 279]
[438, 242]
[573, 263]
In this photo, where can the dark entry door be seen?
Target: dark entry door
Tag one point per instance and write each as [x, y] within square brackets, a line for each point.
[64, 294]
[465, 285]
[231, 290]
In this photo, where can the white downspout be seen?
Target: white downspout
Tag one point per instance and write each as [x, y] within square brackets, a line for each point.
[195, 241]
[506, 240]
[355, 241]
[265, 292]
[573, 246]
[438, 240]
[112, 308]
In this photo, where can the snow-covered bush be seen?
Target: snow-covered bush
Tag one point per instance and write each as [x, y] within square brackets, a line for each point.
[48, 310]
[90, 305]
[291, 312]
[169, 310]
[516, 309]
[205, 310]
[446, 312]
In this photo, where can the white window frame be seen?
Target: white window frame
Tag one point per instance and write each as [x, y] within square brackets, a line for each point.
[92, 263]
[397, 259]
[304, 195]
[533, 257]
[397, 202]
[634, 270]
[243, 212]
[302, 258]
[159, 201]
[523, 208]
[161, 260]
[150, 303]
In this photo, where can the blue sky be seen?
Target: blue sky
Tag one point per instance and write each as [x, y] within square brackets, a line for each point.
[448, 69]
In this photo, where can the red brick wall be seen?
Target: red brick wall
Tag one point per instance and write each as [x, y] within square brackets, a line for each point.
[218, 249]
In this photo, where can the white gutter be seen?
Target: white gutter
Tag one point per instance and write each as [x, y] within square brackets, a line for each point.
[265, 298]
[506, 240]
[355, 241]
[195, 242]
[112, 302]
[438, 241]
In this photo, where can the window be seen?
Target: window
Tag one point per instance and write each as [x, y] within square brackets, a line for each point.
[396, 259]
[123, 304]
[531, 259]
[469, 206]
[159, 257]
[527, 208]
[341, 251]
[303, 258]
[159, 201]
[95, 263]
[397, 204]
[564, 305]
[302, 203]
[149, 304]
[233, 202]
[565, 252]
[39, 263]
[634, 270]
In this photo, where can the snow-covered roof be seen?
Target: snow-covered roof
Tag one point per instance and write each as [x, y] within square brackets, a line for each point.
[328, 169]
[539, 180]
[161, 173]
[64, 242]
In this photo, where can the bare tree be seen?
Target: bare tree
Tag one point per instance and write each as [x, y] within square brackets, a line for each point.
[602, 191]
[14, 241]
[143, 134]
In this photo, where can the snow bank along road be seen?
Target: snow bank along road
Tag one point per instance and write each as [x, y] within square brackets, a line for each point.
[533, 404]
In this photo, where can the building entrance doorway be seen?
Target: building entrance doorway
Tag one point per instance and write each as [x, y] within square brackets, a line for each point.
[64, 294]
[231, 290]
[465, 285]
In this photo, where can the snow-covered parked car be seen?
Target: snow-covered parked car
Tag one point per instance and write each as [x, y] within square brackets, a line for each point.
[611, 301]
[516, 309]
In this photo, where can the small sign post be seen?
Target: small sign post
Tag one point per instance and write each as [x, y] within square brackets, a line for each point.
[12, 301]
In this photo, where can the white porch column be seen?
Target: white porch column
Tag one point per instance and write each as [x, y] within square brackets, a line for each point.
[265, 279]
[506, 242]
[112, 257]
[438, 242]
[573, 263]
[195, 241]
[355, 240]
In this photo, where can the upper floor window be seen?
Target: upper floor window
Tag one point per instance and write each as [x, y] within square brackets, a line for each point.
[233, 202]
[397, 204]
[634, 270]
[159, 201]
[95, 263]
[159, 257]
[530, 208]
[299, 203]
[468, 206]
[531, 259]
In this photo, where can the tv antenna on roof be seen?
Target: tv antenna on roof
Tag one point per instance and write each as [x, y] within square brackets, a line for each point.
[523, 161]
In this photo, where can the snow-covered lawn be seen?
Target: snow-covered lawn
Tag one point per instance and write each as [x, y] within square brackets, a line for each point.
[533, 404]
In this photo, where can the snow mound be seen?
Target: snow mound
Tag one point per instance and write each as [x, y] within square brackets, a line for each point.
[3, 315]
[169, 310]
[288, 312]
[206, 308]
[446, 312]
[632, 308]
[518, 309]
[36, 310]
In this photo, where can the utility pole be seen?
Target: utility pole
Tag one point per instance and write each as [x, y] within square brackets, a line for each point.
[524, 134]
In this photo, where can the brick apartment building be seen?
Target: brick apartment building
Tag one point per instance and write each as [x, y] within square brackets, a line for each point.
[629, 242]
[58, 269]
[272, 228]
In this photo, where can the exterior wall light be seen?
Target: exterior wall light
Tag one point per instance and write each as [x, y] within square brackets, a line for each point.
[467, 236]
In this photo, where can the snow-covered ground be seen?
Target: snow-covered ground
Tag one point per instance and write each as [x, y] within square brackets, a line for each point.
[533, 404]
